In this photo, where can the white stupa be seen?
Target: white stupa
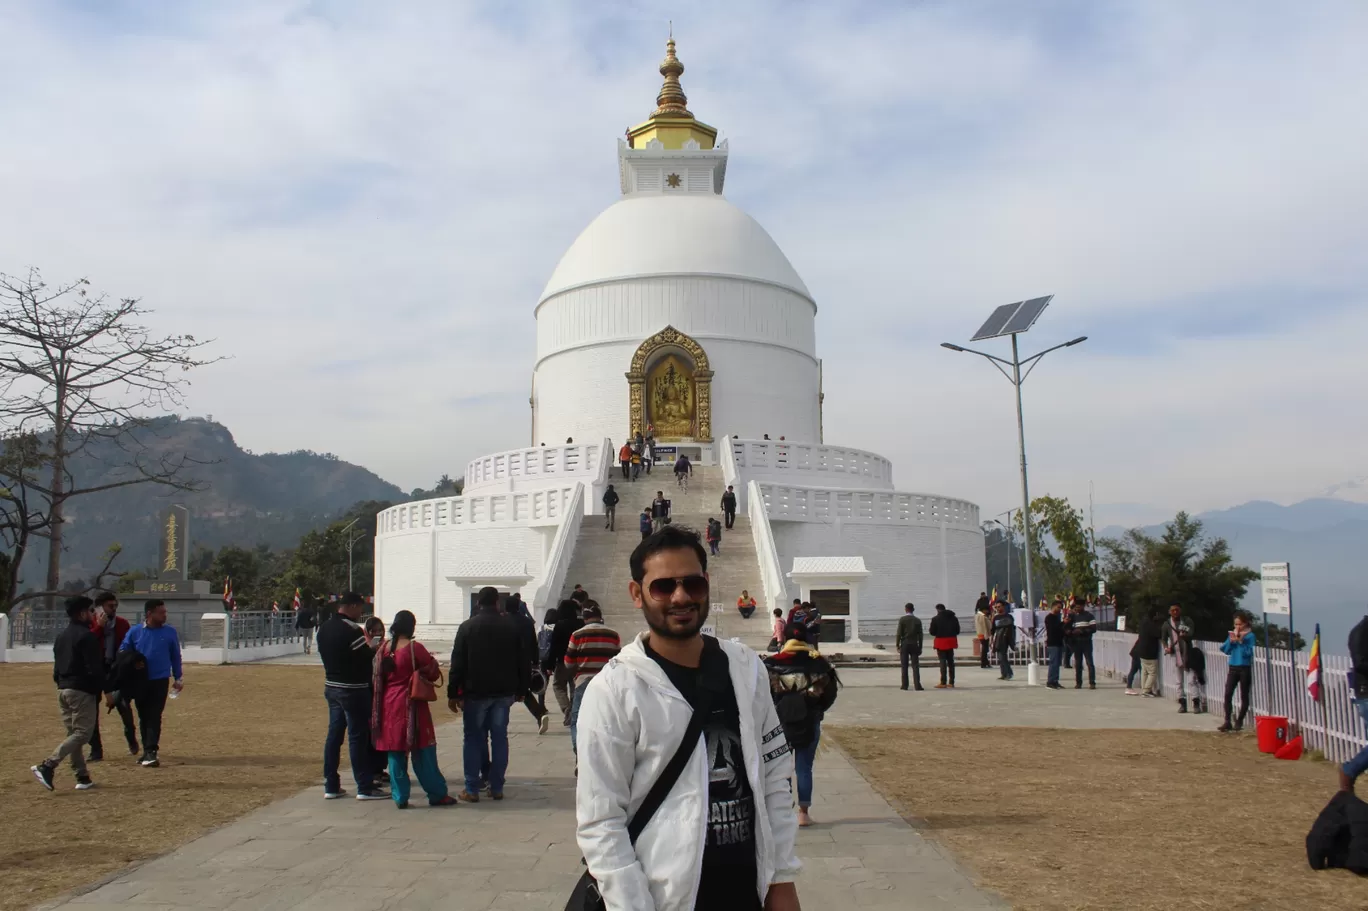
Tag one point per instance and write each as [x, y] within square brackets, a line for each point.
[674, 312]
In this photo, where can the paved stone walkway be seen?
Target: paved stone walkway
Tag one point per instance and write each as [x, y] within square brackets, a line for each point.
[305, 853]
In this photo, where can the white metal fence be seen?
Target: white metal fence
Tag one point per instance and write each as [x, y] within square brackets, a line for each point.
[1279, 688]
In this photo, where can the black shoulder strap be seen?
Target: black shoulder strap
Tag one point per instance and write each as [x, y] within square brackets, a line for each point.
[666, 782]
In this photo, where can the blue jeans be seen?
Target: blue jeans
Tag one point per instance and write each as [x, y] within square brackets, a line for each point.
[1053, 654]
[802, 766]
[574, 714]
[430, 777]
[485, 750]
[1359, 764]
[349, 715]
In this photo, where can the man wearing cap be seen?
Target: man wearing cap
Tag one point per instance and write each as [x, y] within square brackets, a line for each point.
[347, 657]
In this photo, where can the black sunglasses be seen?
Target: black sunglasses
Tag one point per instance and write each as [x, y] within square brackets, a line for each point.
[695, 587]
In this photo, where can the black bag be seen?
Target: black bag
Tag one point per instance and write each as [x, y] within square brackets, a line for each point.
[585, 896]
[128, 675]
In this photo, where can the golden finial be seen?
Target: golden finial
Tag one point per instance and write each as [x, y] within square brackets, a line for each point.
[671, 102]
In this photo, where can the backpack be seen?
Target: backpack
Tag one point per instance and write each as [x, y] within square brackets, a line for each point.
[794, 716]
[544, 641]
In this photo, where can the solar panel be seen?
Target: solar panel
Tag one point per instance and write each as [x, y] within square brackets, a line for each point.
[1026, 316]
[1010, 318]
[994, 324]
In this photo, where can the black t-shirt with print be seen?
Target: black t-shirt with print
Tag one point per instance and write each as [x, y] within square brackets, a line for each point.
[728, 881]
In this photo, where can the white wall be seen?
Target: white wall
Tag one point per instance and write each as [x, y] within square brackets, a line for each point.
[809, 465]
[924, 564]
[760, 340]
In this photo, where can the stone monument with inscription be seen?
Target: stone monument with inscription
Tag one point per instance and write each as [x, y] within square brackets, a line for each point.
[186, 599]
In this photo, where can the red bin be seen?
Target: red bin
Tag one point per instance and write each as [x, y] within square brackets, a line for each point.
[1271, 731]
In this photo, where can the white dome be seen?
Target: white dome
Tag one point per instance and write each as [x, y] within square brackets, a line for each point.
[660, 234]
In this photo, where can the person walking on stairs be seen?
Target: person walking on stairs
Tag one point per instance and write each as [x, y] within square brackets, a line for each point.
[660, 511]
[908, 642]
[610, 502]
[945, 630]
[714, 535]
[591, 647]
[729, 506]
[78, 669]
[567, 621]
[645, 524]
[625, 460]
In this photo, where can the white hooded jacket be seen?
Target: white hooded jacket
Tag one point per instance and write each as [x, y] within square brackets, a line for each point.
[630, 723]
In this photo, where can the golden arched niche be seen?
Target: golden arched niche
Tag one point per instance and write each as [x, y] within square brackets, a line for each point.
[670, 386]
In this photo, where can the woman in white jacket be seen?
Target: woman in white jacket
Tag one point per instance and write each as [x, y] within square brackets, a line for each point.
[724, 837]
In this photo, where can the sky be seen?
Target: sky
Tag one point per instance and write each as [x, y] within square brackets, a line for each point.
[361, 202]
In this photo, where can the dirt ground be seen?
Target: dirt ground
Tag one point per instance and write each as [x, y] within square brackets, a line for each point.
[238, 738]
[1063, 819]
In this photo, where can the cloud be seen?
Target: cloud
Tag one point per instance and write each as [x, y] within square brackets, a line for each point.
[326, 184]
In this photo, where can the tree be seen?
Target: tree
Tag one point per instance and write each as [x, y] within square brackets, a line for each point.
[22, 509]
[1049, 575]
[78, 368]
[1181, 567]
[1277, 636]
[1065, 525]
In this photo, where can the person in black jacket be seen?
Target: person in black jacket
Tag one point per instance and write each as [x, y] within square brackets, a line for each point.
[78, 669]
[489, 672]
[729, 506]
[568, 614]
[535, 702]
[610, 502]
[347, 663]
[1147, 650]
[1054, 643]
[1080, 629]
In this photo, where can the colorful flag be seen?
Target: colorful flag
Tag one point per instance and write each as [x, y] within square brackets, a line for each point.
[993, 600]
[228, 593]
[296, 599]
[1313, 668]
[275, 607]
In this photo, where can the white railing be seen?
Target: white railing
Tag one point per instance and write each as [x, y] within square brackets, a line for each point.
[539, 465]
[766, 554]
[534, 507]
[809, 504]
[562, 551]
[1278, 688]
[811, 463]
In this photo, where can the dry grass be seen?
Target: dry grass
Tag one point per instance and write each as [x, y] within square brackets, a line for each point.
[239, 737]
[1062, 819]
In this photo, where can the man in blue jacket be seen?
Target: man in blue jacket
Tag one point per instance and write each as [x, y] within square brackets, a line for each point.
[160, 647]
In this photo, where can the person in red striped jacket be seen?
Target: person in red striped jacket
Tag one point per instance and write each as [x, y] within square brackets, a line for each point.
[591, 647]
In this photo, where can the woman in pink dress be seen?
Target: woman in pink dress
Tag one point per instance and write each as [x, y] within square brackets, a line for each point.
[402, 725]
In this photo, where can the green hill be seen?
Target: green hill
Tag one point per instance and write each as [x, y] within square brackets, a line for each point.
[244, 498]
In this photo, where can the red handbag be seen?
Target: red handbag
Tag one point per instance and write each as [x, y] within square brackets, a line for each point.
[421, 689]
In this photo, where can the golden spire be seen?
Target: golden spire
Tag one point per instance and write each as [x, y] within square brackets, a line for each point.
[671, 122]
[671, 102]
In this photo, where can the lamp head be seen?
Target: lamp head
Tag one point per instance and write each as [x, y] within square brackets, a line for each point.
[957, 347]
[1081, 338]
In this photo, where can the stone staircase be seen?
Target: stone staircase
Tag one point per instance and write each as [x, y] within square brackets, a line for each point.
[600, 559]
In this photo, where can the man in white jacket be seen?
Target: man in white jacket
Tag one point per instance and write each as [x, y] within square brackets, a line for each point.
[723, 840]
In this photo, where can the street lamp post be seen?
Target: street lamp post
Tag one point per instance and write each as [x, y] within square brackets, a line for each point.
[1016, 378]
[351, 545]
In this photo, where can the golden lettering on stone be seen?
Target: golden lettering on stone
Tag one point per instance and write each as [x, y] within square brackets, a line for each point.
[670, 386]
[171, 565]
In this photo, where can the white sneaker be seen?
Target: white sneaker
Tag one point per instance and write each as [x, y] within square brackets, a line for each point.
[334, 795]
[544, 724]
[1132, 692]
[84, 784]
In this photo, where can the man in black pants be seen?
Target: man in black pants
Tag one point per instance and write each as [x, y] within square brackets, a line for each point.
[347, 658]
[909, 645]
[729, 506]
[109, 628]
[945, 631]
[1080, 629]
[159, 644]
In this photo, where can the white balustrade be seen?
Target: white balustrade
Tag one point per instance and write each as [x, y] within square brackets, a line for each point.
[810, 463]
[535, 465]
[766, 554]
[547, 506]
[784, 503]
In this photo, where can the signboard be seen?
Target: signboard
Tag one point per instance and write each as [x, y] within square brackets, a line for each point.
[1121, 623]
[173, 560]
[1276, 579]
[661, 451]
[1101, 588]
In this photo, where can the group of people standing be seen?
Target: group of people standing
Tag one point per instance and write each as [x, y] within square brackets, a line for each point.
[1172, 635]
[132, 667]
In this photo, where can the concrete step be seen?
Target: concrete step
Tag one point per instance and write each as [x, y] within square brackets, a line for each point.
[600, 561]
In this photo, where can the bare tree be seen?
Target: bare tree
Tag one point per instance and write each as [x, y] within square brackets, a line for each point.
[23, 505]
[78, 368]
